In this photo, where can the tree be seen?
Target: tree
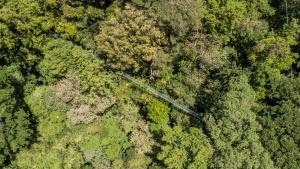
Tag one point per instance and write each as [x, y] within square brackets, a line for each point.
[135, 160]
[43, 101]
[45, 156]
[22, 28]
[274, 52]
[280, 18]
[111, 142]
[272, 56]
[15, 122]
[51, 127]
[158, 112]
[280, 133]
[66, 97]
[63, 58]
[176, 17]
[130, 40]
[180, 16]
[141, 139]
[184, 148]
[233, 128]
[239, 21]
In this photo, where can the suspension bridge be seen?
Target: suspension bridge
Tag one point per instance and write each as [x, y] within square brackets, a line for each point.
[164, 97]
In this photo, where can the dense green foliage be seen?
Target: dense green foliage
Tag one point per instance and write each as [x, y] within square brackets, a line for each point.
[185, 148]
[281, 122]
[233, 128]
[157, 112]
[16, 127]
[64, 103]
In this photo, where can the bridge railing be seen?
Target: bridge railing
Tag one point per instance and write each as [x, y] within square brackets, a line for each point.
[160, 95]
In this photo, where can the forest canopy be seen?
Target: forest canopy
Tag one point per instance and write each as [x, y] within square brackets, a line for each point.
[65, 104]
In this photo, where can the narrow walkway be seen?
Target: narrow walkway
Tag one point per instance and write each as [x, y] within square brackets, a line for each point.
[160, 95]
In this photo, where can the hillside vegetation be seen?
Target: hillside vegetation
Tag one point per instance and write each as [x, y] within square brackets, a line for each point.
[65, 105]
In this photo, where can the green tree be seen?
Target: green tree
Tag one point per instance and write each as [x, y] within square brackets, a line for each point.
[274, 52]
[177, 17]
[292, 10]
[15, 125]
[280, 118]
[43, 101]
[23, 28]
[233, 128]
[111, 142]
[135, 160]
[180, 16]
[273, 56]
[237, 20]
[158, 112]
[63, 58]
[185, 148]
[51, 127]
[45, 156]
